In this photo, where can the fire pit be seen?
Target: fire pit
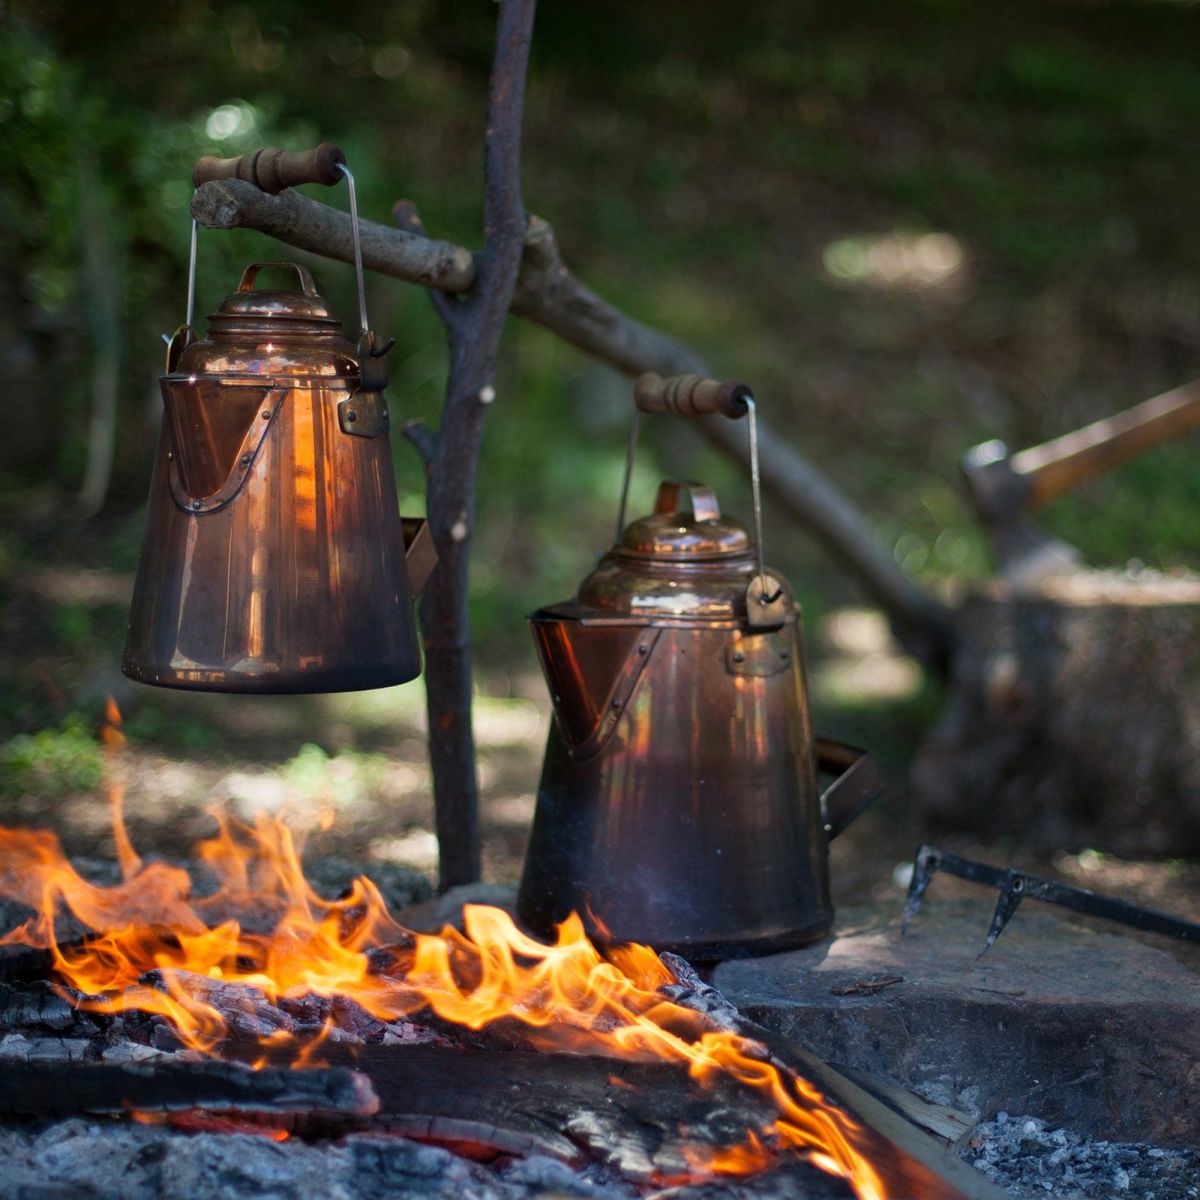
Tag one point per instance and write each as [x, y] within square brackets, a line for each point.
[271, 1024]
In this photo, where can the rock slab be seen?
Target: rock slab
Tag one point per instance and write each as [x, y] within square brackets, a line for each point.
[1094, 1030]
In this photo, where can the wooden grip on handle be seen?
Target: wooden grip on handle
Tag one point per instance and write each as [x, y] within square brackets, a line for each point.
[690, 396]
[273, 170]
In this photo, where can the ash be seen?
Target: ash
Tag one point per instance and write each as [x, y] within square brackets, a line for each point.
[107, 1160]
[1032, 1162]
[81, 1159]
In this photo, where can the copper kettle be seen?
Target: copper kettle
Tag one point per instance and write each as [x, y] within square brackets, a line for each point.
[274, 555]
[678, 802]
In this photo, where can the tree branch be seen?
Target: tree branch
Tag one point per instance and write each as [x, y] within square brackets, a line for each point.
[425, 443]
[548, 293]
[308, 225]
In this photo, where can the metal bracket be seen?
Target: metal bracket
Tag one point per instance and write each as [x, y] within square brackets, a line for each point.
[363, 414]
[177, 343]
[766, 602]
[760, 654]
[1016, 886]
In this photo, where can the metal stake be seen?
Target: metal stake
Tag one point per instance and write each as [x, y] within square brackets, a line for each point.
[1016, 886]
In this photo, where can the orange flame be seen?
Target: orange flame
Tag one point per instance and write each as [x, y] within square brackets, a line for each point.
[567, 994]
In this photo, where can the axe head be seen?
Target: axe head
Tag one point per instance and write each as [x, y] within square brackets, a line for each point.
[1025, 555]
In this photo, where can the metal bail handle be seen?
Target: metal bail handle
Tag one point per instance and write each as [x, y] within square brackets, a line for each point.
[695, 396]
[273, 171]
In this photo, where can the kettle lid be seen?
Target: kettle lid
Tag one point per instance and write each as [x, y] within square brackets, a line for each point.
[686, 525]
[272, 304]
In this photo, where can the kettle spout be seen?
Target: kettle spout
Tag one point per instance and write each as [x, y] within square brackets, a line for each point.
[592, 671]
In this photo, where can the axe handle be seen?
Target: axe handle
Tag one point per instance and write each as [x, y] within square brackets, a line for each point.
[1059, 465]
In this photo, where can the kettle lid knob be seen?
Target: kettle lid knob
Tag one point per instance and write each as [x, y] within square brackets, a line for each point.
[702, 500]
[686, 524]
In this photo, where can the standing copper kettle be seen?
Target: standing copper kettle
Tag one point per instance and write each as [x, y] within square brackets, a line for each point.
[678, 802]
[273, 558]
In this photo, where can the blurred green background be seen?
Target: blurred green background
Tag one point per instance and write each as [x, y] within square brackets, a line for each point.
[913, 225]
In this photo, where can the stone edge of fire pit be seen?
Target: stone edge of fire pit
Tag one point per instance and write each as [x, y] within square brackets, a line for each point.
[1090, 1029]
[432, 916]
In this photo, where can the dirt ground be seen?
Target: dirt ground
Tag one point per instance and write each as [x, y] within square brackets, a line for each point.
[349, 772]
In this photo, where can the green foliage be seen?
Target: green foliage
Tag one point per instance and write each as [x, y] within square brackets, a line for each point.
[52, 762]
[344, 780]
[700, 163]
[162, 724]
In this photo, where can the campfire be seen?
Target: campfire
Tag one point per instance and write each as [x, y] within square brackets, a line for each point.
[201, 962]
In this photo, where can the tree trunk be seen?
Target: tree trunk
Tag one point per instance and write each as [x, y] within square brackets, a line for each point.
[102, 292]
[473, 325]
[1073, 717]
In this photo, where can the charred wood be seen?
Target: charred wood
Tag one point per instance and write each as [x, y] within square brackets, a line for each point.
[648, 1122]
[250, 1015]
[34, 1087]
[247, 1012]
[42, 1006]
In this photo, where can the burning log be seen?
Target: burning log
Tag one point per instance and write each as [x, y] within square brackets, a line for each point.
[41, 1006]
[246, 1010]
[36, 1087]
[681, 1085]
[250, 1016]
[646, 1121]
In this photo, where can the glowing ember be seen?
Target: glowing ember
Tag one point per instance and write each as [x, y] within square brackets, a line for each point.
[568, 995]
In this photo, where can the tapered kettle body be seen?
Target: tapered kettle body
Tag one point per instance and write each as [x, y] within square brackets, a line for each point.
[678, 803]
[273, 558]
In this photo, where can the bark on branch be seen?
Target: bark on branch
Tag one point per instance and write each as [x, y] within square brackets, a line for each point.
[548, 293]
[473, 328]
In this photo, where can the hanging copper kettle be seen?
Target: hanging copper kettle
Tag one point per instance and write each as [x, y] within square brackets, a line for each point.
[273, 558]
[678, 802]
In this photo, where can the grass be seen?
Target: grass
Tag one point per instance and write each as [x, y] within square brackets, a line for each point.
[700, 166]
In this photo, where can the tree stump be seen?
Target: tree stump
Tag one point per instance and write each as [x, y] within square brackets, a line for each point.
[1073, 717]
